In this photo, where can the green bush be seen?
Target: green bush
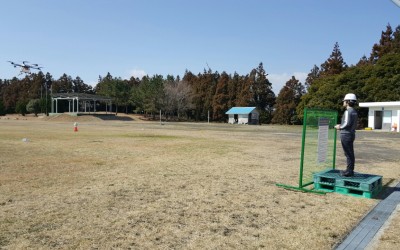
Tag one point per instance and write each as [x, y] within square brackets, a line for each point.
[2, 109]
[33, 106]
[21, 107]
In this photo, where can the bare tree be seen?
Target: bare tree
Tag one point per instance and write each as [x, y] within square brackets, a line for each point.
[178, 97]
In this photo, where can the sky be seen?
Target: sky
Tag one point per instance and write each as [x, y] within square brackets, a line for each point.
[89, 38]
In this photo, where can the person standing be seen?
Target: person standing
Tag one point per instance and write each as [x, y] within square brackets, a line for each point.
[348, 132]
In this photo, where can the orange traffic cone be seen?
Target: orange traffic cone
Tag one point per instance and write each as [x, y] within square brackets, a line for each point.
[75, 127]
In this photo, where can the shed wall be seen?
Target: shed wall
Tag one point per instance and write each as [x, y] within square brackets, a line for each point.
[386, 120]
[231, 119]
[243, 119]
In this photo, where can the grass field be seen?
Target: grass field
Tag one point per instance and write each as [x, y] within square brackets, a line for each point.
[142, 185]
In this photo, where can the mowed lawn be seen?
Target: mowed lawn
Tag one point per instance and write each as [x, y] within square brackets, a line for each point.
[143, 185]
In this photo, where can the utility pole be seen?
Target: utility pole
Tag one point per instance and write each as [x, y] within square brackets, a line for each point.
[47, 81]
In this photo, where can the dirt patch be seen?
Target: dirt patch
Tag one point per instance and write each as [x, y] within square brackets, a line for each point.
[69, 118]
[73, 118]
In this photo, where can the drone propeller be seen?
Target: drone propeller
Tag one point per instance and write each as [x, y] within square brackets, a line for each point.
[15, 64]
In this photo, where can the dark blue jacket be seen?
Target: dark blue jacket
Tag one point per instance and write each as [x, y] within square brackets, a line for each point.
[349, 121]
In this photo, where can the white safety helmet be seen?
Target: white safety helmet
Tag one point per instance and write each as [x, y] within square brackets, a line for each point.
[350, 97]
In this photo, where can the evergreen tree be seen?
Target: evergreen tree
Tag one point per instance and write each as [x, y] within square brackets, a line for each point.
[26, 91]
[2, 88]
[232, 89]
[80, 87]
[363, 61]
[382, 81]
[115, 88]
[332, 67]
[203, 91]
[384, 46]
[10, 94]
[17, 91]
[37, 85]
[151, 94]
[137, 95]
[334, 64]
[20, 107]
[134, 84]
[2, 109]
[46, 103]
[49, 82]
[396, 40]
[244, 94]
[103, 86]
[210, 79]
[63, 85]
[196, 83]
[121, 94]
[286, 102]
[189, 77]
[36, 91]
[263, 96]
[221, 97]
[314, 74]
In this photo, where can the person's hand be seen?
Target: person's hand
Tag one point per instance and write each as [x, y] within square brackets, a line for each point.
[337, 126]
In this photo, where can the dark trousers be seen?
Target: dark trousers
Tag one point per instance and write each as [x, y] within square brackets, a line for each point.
[347, 140]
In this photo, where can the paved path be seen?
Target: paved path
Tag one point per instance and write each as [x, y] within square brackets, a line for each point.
[362, 235]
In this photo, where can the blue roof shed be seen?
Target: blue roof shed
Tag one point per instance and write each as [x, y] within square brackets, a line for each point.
[243, 115]
[240, 110]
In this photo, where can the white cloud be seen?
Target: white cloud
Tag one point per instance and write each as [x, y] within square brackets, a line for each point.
[279, 80]
[301, 76]
[139, 73]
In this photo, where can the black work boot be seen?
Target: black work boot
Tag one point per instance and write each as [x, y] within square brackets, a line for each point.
[347, 173]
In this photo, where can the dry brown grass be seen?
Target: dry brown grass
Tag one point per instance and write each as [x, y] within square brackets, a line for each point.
[141, 185]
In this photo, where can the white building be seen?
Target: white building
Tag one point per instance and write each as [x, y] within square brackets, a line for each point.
[383, 115]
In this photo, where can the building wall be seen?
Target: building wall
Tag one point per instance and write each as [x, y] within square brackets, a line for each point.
[255, 117]
[387, 121]
[231, 119]
[243, 119]
[398, 121]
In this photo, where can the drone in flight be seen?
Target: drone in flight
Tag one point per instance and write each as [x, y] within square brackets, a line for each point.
[26, 67]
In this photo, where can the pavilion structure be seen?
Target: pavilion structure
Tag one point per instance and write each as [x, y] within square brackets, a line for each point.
[79, 103]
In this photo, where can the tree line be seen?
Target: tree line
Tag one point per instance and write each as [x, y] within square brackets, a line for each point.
[373, 79]
[210, 94]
